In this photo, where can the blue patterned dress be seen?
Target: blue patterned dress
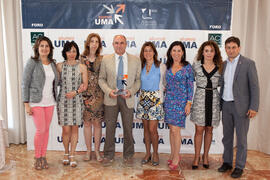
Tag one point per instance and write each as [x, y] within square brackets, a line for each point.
[179, 90]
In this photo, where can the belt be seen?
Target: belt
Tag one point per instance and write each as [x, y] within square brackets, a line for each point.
[208, 89]
[228, 101]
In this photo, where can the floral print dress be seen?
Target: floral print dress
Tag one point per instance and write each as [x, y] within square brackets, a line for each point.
[179, 90]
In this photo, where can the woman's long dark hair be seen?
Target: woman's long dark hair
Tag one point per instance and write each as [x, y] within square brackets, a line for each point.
[143, 60]
[217, 58]
[36, 46]
[169, 62]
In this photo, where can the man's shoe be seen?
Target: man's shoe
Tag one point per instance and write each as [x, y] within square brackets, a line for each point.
[237, 172]
[107, 162]
[225, 167]
[128, 162]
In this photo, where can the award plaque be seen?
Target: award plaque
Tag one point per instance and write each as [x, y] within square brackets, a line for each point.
[123, 82]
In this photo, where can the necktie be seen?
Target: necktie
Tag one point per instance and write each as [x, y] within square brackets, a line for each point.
[120, 73]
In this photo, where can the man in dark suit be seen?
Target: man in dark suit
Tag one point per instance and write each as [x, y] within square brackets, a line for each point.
[240, 102]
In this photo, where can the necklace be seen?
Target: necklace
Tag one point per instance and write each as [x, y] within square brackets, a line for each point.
[148, 67]
[209, 67]
[92, 60]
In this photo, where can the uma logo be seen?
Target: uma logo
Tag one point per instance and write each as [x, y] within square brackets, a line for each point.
[62, 40]
[112, 16]
[189, 42]
[215, 37]
[35, 35]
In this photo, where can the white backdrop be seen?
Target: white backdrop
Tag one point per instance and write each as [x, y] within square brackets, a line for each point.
[135, 39]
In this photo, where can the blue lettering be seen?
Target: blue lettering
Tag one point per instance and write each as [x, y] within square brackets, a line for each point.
[138, 125]
[59, 43]
[119, 140]
[102, 140]
[103, 124]
[194, 45]
[159, 44]
[59, 139]
[163, 45]
[131, 44]
[189, 44]
[187, 141]
[186, 44]
[103, 43]
[118, 125]
[160, 141]
[163, 126]
[163, 60]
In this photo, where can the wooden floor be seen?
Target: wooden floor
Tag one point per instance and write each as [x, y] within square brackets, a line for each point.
[20, 166]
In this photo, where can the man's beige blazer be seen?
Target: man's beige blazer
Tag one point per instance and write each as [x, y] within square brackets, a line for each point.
[107, 78]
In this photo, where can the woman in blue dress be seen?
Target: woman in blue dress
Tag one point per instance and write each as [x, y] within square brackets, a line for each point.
[179, 93]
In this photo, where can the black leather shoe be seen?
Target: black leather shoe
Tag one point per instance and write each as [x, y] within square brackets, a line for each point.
[225, 167]
[237, 173]
[194, 167]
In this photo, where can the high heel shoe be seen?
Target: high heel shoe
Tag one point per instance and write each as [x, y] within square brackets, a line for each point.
[66, 161]
[44, 163]
[174, 166]
[98, 157]
[73, 163]
[155, 163]
[170, 161]
[87, 156]
[195, 166]
[206, 166]
[145, 161]
[37, 164]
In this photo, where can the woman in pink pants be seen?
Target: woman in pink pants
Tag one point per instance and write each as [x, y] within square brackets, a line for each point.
[39, 95]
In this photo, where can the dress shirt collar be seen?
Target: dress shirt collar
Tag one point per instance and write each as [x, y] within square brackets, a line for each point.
[117, 56]
[235, 60]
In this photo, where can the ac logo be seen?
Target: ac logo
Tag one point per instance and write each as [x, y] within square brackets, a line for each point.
[215, 37]
[35, 35]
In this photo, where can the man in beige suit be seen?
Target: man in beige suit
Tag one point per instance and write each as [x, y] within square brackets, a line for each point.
[119, 79]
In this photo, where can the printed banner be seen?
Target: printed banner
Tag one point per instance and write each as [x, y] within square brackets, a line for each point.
[129, 14]
[136, 36]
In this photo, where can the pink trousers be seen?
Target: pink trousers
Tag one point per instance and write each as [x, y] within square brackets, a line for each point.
[42, 118]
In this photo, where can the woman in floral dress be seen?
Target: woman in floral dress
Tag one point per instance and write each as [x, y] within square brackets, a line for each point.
[179, 93]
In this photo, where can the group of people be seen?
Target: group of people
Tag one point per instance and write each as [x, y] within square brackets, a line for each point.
[94, 88]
